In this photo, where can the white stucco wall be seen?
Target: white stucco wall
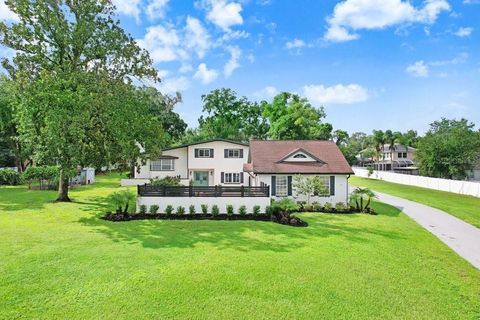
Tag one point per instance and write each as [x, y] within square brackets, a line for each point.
[341, 188]
[180, 166]
[221, 202]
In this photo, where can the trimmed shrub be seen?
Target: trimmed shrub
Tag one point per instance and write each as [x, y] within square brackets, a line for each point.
[340, 206]
[242, 210]
[308, 207]
[229, 209]
[204, 208]
[191, 209]
[168, 210]
[317, 207]
[327, 207]
[167, 181]
[180, 210]
[9, 177]
[215, 210]
[143, 209]
[154, 208]
[256, 210]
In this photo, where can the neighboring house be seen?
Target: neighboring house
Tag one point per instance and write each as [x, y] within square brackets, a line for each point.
[221, 172]
[399, 159]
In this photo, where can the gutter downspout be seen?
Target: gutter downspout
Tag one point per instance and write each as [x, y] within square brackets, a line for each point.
[347, 203]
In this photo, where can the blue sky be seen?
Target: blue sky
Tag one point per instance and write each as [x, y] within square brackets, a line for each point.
[373, 64]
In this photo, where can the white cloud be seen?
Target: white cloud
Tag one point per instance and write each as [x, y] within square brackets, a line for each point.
[156, 9]
[295, 44]
[224, 14]
[460, 58]
[128, 8]
[6, 14]
[350, 16]
[471, 1]
[338, 94]
[418, 69]
[185, 67]
[196, 37]
[233, 63]
[204, 74]
[172, 85]
[266, 93]
[463, 32]
[251, 58]
[162, 43]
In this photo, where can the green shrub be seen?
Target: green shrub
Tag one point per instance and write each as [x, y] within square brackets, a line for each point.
[9, 177]
[340, 206]
[229, 209]
[154, 208]
[43, 173]
[308, 207]
[215, 210]
[169, 210]
[285, 204]
[143, 209]
[256, 210]
[122, 200]
[269, 211]
[167, 181]
[317, 207]
[204, 208]
[327, 207]
[242, 210]
[191, 209]
[180, 210]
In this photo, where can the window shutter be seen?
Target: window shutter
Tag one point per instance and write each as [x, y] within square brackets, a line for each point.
[211, 153]
[196, 153]
[274, 185]
[241, 153]
[241, 177]
[222, 177]
[332, 185]
[225, 153]
[289, 185]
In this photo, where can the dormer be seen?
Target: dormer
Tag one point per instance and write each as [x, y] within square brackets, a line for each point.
[300, 155]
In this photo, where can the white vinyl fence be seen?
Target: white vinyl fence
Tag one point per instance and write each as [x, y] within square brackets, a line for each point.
[455, 186]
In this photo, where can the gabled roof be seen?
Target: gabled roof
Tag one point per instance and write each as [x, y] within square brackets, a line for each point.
[299, 150]
[266, 156]
[206, 141]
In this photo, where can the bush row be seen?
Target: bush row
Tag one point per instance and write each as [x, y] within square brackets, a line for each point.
[9, 177]
[215, 210]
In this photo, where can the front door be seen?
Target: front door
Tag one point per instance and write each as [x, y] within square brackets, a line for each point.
[200, 178]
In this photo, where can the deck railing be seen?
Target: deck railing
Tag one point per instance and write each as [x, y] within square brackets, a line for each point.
[147, 190]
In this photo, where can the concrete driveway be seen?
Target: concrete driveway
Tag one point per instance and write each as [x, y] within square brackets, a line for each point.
[462, 237]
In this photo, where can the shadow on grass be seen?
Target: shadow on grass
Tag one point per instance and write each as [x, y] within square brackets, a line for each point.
[237, 235]
[21, 198]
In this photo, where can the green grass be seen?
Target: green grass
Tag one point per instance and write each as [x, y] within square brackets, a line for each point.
[463, 207]
[61, 261]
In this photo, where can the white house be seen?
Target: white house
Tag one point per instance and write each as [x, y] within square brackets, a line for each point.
[225, 172]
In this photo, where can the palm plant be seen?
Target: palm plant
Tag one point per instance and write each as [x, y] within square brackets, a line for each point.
[362, 198]
[379, 141]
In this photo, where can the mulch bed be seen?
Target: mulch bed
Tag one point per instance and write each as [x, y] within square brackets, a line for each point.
[117, 217]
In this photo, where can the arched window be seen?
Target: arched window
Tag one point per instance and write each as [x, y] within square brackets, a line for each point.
[300, 156]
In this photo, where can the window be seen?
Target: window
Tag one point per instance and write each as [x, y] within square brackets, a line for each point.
[402, 155]
[162, 165]
[300, 156]
[203, 153]
[282, 186]
[326, 182]
[232, 177]
[233, 153]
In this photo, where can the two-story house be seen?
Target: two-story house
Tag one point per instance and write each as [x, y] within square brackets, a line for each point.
[399, 159]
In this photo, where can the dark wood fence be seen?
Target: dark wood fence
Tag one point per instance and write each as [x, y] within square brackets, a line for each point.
[191, 191]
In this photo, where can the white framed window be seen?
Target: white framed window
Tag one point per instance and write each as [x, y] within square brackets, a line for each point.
[232, 177]
[300, 156]
[402, 155]
[233, 153]
[281, 186]
[204, 153]
[326, 182]
[162, 165]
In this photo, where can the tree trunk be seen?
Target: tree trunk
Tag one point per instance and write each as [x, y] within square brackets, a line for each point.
[63, 188]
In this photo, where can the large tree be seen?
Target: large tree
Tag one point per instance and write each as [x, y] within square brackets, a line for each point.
[73, 68]
[449, 149]
[293, 117]
[231, 117]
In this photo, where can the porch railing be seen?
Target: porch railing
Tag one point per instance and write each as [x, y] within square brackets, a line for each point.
[147, 190]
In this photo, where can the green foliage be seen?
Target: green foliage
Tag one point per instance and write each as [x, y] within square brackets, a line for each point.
[285, 204]
[169, 210]
[450, 149]
[293, 117]
[229, 209]
[215, 210]
[317, 207]
[180, 210]
[327, 206]
[310, 186]
[256, 210]
[154, 209]
[121, 200]
[191, 209]
[204, 208]
[370, 171]
[142, 209]
[362, 198]
[166, 181]
[9, 177]
[32, 174]
[340, 206]
[242, 210]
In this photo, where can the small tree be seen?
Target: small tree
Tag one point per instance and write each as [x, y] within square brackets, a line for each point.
[362, 198]
[310, 186]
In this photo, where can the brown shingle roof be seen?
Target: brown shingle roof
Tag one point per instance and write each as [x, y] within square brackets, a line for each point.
[265, 157]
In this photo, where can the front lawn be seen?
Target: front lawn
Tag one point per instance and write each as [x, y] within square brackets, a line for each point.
[62, 261]
[463, 207]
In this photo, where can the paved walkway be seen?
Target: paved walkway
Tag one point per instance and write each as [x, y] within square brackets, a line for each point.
[462, 237]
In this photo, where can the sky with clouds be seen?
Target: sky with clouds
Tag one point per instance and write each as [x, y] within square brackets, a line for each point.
[373, 64]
